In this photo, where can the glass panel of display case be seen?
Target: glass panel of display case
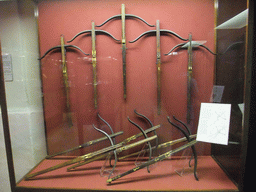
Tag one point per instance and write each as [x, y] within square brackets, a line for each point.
[230, 73]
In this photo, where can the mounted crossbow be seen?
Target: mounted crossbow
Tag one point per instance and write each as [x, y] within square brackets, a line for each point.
[64, 48]
[123, 16]
[93, 32]
[190, 45]
[158, 32]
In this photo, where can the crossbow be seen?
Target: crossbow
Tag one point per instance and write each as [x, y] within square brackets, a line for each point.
[158, 32]
[63, 48]
[124, 142]
[190, 143]
[123, 17]
[118, 147]
[190, 45]
[93, 32]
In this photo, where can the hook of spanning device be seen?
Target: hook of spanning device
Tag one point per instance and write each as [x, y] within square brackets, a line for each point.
[59, 47]
[126, 15]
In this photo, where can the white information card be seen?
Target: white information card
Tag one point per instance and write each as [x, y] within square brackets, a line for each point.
[214, 120]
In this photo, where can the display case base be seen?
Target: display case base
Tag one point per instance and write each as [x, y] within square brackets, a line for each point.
[162, 178]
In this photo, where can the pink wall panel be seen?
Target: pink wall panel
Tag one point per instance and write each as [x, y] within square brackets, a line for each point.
[70, 17]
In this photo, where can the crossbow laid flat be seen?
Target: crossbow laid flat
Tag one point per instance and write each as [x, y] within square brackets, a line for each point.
[190, 143]
[120, 146]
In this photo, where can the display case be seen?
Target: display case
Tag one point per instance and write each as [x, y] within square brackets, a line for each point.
[126, 96]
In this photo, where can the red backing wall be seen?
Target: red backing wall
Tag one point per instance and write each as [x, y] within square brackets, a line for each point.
[71, 17]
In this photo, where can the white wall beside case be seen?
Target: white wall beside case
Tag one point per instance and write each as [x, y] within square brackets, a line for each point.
[18, 30]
